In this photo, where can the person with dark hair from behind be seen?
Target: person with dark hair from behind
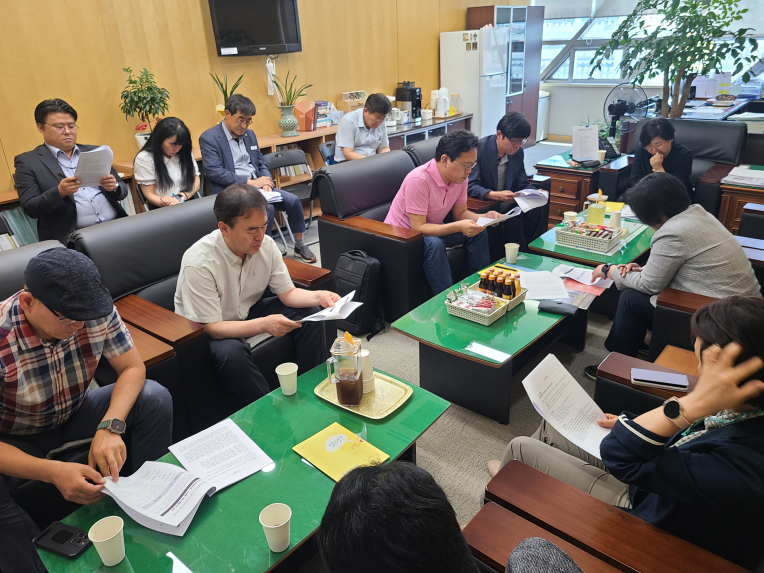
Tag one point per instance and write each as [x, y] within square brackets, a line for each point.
[362, 132]
[221, 283]
[53, 334]
[231, 155]
[659, 153]
[433, 200]
[690, 251]
[165, 167]
[48, 189]
[693, 466]
[500, 173]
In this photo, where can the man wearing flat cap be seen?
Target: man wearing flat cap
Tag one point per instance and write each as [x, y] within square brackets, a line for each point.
[52, 335]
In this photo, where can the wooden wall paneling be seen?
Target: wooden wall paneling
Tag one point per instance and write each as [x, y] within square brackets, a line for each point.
[5, 171]
[419, 45]
[57, 48]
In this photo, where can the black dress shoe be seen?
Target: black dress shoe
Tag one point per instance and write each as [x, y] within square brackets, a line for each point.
[591, 372]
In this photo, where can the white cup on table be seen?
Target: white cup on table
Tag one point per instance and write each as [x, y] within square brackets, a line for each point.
[287, 373]
[510, 252]
[569, 216]
[601, 155]
[109, 540]
[615, 220]
[275, 520]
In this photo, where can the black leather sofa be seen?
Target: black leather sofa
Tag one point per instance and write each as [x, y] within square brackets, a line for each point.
[715, 147]
[355, 198]
[141, 256]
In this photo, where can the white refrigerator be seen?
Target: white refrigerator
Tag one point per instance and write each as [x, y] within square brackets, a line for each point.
[473, 64]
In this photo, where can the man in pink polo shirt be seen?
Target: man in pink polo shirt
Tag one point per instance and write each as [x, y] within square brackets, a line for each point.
[433, 201]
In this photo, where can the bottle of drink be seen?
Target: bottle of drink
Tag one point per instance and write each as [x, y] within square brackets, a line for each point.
[491, 285]
[508, 288]
[499, 290]
[483, 286]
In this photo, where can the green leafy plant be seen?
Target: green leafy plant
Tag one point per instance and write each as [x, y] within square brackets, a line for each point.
[143, 98]
[222, 85]
[685, 45]
[287, 91]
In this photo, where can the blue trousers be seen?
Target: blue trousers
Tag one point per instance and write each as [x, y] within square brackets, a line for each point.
[149, 434]
[436, 267]
[290, 205]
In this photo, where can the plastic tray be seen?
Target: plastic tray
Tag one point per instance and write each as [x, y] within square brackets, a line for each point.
[389, 394]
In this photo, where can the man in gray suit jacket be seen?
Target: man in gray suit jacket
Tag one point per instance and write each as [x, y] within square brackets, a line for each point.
[230, 154]
[49, 191]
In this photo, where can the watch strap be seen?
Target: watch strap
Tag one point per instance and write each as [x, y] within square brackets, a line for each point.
[680, 418]
[107, 425]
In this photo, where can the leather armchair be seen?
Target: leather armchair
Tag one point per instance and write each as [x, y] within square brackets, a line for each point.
[672, 320]
[422, 151]
[715, 147]
[139, 260]
[355, 198]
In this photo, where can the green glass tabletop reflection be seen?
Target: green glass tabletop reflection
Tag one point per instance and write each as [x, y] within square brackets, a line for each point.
[431, 323]
[626, 254]
[562, 159]
[225, 534]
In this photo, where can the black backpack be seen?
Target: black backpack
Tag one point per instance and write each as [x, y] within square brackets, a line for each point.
[356, 271]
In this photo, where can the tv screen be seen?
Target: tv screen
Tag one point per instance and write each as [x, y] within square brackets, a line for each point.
[255, 27]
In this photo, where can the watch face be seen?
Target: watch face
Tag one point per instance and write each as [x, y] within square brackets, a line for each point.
[118, 426]
[671, 409]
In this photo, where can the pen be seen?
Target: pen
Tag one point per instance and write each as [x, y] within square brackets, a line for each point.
[177, 198]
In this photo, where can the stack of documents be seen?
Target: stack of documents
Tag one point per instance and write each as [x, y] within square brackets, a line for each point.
[755, 121]
[745, 175]
[531, 198]
[271, 196]
[488, 222]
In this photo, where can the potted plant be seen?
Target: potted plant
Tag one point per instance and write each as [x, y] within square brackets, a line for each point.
[288, 94]
[686, 44]
[144, 98]
[222, 85]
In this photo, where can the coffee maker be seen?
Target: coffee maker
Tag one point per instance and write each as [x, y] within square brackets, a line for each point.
[409, 98]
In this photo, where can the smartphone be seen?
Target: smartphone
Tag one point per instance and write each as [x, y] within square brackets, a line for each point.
[657, 379]
[63, 540]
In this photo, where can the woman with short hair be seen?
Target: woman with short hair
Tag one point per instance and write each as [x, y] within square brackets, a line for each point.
[165, 168]
[659, 153]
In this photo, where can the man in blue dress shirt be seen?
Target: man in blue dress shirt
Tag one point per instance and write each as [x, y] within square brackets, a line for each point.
[362, 132]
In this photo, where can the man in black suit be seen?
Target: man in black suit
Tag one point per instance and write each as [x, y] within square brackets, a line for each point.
[45, 181]
[500, 173]
[230, 154]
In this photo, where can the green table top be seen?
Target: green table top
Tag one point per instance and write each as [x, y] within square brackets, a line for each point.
[627, 254]
[561, 161]
[431, 324]
[225, 534]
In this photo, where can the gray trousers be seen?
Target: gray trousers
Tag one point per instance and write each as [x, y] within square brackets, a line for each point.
[547, 451]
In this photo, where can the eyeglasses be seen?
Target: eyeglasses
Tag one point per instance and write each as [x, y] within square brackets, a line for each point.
[62, 126]
[241, 121]
[656, 146]
[516, 141]
[468, 166]
[61, 318]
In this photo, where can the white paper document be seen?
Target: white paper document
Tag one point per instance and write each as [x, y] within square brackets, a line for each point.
[543, 285]
[628, 213]
[565, 405]
[531, 198]
[94, 165]
[221, 455]
[341, 310]
[160, 496]
[585, 142]
[583, 276]
[271, 196]
[488, 222]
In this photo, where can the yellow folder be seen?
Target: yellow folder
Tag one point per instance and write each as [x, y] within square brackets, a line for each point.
[336, 450]
[613, 207]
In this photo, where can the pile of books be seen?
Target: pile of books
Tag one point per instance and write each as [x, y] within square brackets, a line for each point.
[292, 170]
[23, 229]
[755, 121]
[747, 175]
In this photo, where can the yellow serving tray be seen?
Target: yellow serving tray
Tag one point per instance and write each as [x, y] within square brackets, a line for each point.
[389, 394]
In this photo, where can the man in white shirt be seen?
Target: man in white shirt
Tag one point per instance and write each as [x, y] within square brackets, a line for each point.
[221, 282]
[362, 132]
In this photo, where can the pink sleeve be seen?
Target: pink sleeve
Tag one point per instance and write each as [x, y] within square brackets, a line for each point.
[416, 194]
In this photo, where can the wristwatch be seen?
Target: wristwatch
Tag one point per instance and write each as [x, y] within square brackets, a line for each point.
[673, 410]
[114, 426]
[606, 269]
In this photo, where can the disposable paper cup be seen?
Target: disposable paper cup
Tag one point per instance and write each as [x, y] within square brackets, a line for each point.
[368, 384]
[275, 521]
[109, 540]
[601, 155]
[287, 374]
[426, 114]
[368, 372]
[510, 252]
[569, 215]
[615, 220]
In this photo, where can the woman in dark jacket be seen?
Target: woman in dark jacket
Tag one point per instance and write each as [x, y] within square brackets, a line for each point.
[659, 153]
[695, 465]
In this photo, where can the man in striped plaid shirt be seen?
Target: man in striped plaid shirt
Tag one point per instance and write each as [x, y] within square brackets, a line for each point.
[52, 335]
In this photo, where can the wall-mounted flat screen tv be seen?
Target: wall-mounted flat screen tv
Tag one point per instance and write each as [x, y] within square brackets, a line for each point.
[255, 27]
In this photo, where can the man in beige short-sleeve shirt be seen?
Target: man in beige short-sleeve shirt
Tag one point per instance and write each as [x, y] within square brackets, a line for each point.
[221, 283]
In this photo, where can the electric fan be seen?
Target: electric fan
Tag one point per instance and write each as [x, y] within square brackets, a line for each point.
[625, 101]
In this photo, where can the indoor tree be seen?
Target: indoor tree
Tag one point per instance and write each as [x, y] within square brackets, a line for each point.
[686, 44]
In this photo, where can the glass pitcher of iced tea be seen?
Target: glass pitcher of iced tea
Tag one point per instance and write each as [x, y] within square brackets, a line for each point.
[348, 371]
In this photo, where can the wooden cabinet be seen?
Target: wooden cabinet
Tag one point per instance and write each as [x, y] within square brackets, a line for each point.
[569, 189]
[732, 204]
